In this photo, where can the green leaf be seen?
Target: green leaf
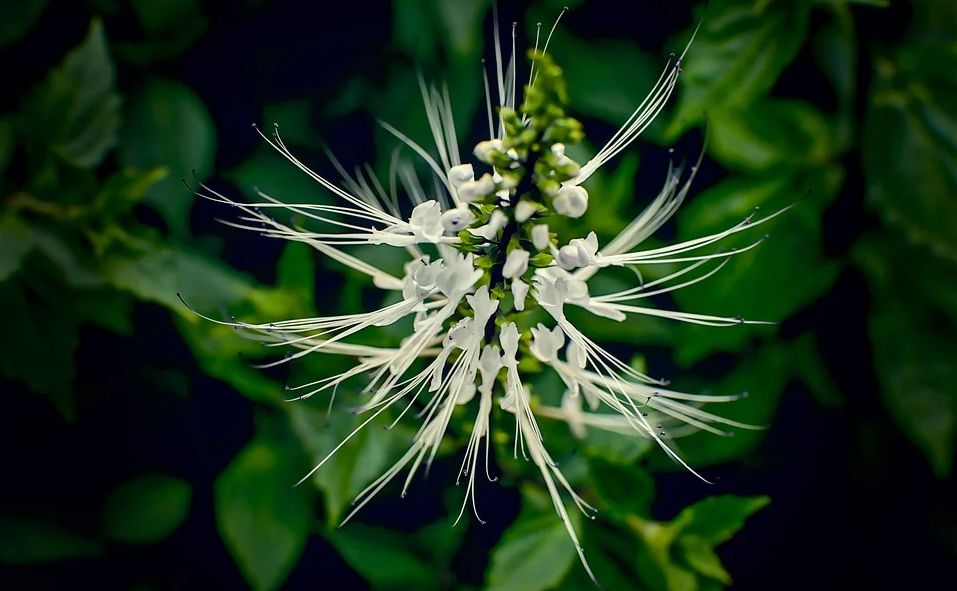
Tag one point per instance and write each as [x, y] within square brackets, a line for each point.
[878, 3]
[741, 49]
[146, 509]
[17, 19]
[25, 541]
[383, 557]
[910, 145]
[76, 111]
[716, 519]
[47, 334]
[534, 554]
[124, 189]
[16, 242]
[699, 554]
[263, 522]
[158, 276]
[622, 490]
[769, 282]
[913, 354]
[296, 271]
[772, 133]
[360, 461]
[166, 125]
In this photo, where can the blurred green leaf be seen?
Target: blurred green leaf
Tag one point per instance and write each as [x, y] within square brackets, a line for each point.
[913, 354]
[166, 125]
[699, 554]
[161, 273]
[894, 265]
[25, 541]
[763, 373]
[47, 334]
[76, 111]
[295, 120]
[534, 554]
[263, 522]
[16, 242]
[146, 509]
[124, 189]
[355, 464]
[17, 19]
[716, 519]
[622, 490]
[741, 49]
[383, 557]
[768, 283]
[772, 133]
[296, 272]
[910, 145]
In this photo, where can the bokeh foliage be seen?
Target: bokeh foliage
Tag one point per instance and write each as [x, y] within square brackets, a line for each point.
[96, 226]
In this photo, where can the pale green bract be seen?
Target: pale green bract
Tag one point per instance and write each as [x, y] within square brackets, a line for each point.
[477, 244]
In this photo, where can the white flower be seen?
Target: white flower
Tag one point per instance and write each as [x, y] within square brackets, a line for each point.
[460, 336]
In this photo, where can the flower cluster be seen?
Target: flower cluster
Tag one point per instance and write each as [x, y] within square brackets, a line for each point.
[488, 283]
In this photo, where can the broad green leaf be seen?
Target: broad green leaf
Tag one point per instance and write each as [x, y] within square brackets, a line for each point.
[159, 275]
[46, 335]
[741, 49]
[892, 264]
[17, 19]
[383, 557]
[296, 272]
[769, 282]
[357, 463]
[763, 374]
[264, 522]
[25, 541]
[622, 490]
[716, 519]
[124, 189]
[534, 554]
[106, 308]
[146, 509]
[167, 125]
[772, 133]
[910, 145]
[699, 554]
[913, 354]
[76, 111]
[16, 242]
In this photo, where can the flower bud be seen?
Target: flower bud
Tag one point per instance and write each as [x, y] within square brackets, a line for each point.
[540, 237]
[571, 201]
[483, 150]
[516, 263]
[472, 190]
[461, 174]
[524, 210]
